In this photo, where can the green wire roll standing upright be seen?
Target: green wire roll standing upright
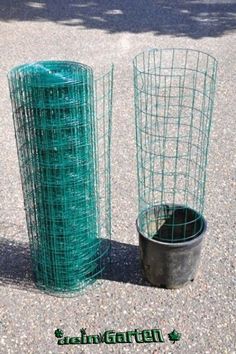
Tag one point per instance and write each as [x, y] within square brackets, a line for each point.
[57, 142]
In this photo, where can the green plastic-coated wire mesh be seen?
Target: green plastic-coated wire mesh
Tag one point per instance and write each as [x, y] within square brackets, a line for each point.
[62, 120]
[173, 96]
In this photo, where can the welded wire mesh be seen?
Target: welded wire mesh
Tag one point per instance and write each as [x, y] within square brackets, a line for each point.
[62, 143]
[173, 96]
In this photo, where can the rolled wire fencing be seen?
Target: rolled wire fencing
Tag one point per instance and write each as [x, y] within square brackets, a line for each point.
[173, 97]
[62, 120]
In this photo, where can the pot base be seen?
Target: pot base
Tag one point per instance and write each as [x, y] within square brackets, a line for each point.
[170, 264]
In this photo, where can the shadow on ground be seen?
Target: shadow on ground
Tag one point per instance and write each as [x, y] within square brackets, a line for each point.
[192, 18]
[15, 265]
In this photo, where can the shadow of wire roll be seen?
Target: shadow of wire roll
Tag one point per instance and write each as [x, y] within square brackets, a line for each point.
[58, 135]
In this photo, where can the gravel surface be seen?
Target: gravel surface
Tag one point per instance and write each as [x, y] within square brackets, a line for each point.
[99, 33]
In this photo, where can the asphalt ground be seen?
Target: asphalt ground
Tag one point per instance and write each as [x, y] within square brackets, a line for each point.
[99, 33]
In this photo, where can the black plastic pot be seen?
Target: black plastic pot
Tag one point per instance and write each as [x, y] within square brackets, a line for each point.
[171, 264]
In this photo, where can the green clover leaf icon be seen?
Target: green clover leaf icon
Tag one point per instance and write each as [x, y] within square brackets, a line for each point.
[174, 336]
[59, 333]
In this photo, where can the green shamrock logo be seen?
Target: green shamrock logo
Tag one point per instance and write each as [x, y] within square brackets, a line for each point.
[174, 336]
[59, 333]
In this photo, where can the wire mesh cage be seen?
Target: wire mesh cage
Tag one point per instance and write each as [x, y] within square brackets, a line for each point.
[62, 120]
[173, 97]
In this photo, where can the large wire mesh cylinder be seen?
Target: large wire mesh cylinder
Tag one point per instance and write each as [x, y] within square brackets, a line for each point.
[174, 95]
[59, 139]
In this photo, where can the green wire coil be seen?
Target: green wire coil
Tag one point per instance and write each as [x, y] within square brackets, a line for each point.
[60, 113]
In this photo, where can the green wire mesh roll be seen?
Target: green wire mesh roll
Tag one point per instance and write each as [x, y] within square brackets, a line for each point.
[58, 138]
[174, 95]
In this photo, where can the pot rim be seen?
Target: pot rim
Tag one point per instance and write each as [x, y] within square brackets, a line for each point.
[187, 242]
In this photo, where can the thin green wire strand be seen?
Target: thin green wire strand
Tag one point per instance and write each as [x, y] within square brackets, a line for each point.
[173, 98]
